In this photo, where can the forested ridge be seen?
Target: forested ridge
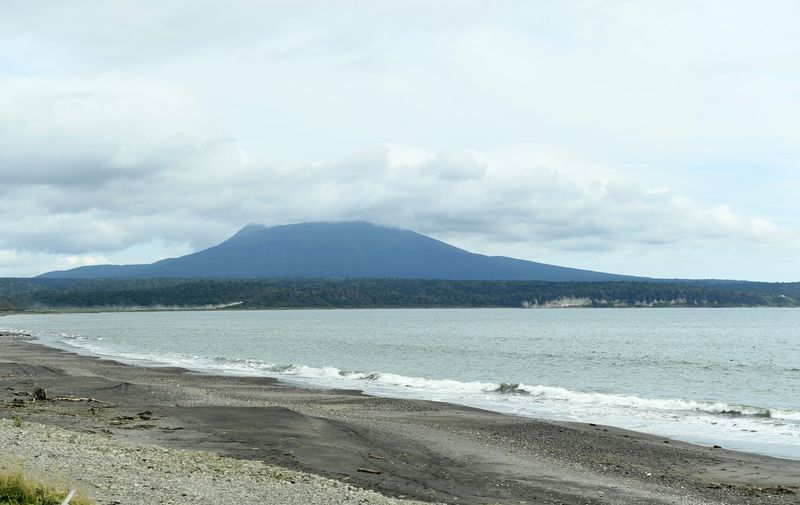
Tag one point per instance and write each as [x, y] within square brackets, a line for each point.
[65, 294]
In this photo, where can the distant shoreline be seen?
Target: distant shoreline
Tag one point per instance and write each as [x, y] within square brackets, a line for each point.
[53, 295]
[101, 310]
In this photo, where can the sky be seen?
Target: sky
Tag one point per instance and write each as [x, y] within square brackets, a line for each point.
[655, 138]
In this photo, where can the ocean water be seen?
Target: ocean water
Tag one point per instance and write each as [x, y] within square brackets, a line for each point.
[710, 376]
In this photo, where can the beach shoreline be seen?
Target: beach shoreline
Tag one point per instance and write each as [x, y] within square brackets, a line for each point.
[400, 448]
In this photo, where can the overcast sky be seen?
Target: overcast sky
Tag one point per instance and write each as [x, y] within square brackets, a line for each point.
[637, 137]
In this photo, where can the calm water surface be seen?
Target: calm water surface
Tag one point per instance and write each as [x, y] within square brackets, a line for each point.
[713, 376]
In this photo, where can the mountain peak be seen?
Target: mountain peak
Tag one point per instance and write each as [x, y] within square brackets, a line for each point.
[316, 226]
[248, 230]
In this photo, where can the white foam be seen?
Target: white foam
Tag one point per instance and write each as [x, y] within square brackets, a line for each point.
[788, 415]
[668, 404]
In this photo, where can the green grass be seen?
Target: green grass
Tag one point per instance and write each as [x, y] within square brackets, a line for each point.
[18, 489]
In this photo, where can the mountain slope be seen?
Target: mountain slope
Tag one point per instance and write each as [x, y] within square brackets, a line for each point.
[338, 251]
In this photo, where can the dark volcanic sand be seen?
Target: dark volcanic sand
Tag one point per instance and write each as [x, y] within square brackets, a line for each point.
[417, 449]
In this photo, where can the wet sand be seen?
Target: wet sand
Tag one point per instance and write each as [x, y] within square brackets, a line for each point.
[401, 448]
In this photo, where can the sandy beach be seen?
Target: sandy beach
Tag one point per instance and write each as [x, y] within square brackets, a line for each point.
[132, 434]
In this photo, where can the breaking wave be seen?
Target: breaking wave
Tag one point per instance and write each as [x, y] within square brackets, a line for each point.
[639, 403]
[446, 389]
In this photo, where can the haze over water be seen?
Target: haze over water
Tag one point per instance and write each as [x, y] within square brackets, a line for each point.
[712, 376]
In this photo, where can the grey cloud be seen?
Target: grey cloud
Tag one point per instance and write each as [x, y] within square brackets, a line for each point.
[74, 132]
[195, 185]
[455, 166]
[366, 163]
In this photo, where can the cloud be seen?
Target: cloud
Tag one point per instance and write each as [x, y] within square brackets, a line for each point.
[456, 166]
[75, 132]
[82, 186]
[576, 132]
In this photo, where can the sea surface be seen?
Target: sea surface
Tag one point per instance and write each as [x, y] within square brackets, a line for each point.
[710, 376]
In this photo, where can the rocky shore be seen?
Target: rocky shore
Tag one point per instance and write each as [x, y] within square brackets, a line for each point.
[129, 434]
[14, 335]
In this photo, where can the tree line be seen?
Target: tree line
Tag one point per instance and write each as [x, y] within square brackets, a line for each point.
[64, 294]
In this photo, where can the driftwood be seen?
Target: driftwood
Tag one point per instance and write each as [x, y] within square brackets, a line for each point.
[370, 470]
[68, 498]
[77, 399]
[31, 398]
[13, 335]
